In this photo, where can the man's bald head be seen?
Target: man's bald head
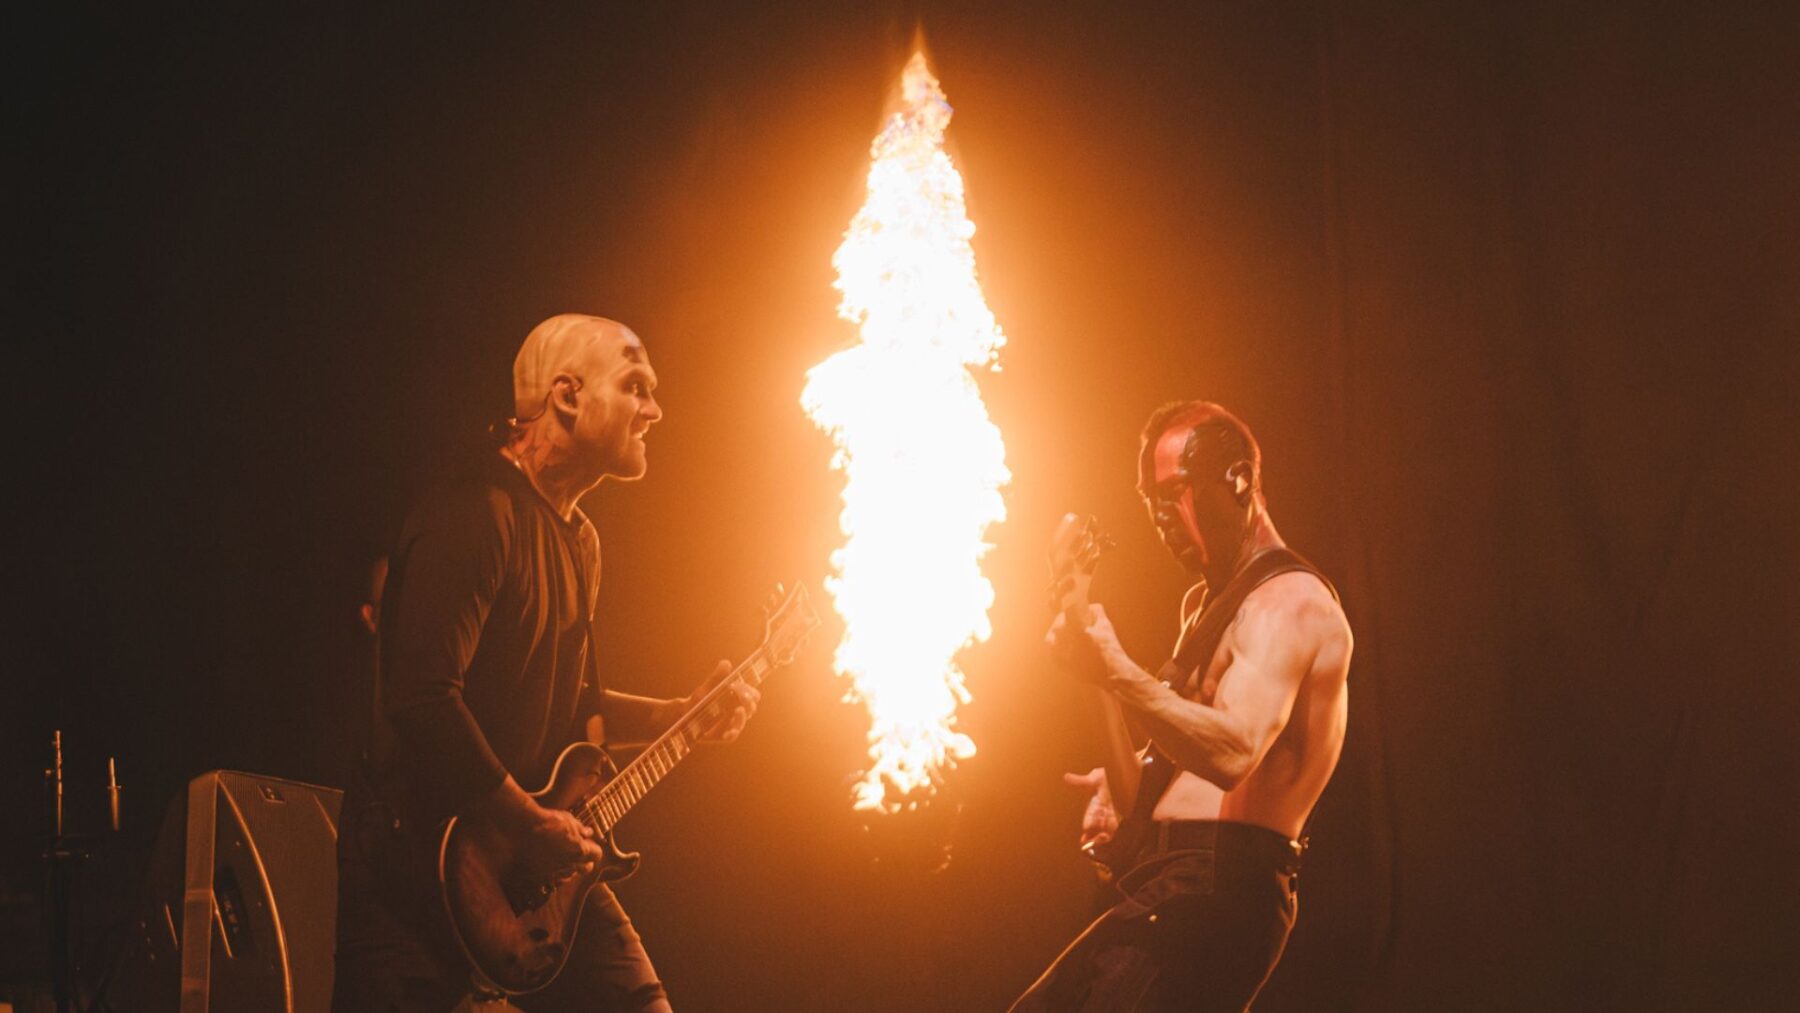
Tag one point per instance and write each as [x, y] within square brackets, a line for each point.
[566, 344]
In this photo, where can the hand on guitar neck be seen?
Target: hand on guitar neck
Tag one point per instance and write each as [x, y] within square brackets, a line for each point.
[1087, 651]
[736, 706]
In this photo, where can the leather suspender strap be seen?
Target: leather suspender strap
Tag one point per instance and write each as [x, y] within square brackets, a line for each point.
[1201, 640]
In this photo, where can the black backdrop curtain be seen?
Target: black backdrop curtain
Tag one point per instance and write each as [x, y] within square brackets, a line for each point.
[1566, 240]
[1506, 290]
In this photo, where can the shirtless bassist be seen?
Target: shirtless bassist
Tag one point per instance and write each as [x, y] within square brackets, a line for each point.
[1210, 896]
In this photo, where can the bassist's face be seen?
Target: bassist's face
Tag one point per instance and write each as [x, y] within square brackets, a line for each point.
[1168, 493]
[1202, 508]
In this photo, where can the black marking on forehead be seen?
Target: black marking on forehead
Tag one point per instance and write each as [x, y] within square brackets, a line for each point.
[1170, 486]
[637, 367]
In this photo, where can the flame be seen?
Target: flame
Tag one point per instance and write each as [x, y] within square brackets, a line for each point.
[923, 464]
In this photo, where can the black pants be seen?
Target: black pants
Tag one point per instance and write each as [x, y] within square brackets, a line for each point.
[1199, 930]
[396, 952]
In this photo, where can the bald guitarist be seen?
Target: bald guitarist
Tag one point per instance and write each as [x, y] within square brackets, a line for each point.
[486, 672]
[1245, 726]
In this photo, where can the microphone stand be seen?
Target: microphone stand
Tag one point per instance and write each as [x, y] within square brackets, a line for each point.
[59, 856]
[62, 854]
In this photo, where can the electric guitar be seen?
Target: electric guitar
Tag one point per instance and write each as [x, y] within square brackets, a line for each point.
[1075, 551]
[516, 929]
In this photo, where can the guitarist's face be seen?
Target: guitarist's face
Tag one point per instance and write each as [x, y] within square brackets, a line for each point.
[1168, 493]
[1192, 502]
[615, 407]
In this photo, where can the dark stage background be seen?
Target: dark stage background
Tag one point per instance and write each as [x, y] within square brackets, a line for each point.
[1508, 292]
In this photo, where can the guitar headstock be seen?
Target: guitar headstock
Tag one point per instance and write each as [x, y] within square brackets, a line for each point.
[790, 619]
[1075, 550]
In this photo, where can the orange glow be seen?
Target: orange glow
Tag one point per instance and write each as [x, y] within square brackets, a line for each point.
[922, 462]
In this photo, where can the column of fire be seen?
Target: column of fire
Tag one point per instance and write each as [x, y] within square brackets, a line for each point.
[923, 464]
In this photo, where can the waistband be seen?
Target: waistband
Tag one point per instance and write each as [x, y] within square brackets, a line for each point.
[1238, 839]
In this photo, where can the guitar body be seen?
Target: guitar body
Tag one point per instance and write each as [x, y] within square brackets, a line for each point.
[515, 928]
[515, 931]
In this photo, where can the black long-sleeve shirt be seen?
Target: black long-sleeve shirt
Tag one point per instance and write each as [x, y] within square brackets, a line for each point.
[484, 642]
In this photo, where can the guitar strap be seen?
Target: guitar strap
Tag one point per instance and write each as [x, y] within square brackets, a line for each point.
[1199, 642]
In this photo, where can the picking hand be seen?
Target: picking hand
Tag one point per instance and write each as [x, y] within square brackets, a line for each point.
[1101, 820]
[737, 705]
[555, 843]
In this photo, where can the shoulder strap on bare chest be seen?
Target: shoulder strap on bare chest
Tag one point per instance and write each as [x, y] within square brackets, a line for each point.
[1200, 639]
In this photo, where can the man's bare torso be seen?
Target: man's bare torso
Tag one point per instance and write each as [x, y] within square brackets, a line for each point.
[1280, 792]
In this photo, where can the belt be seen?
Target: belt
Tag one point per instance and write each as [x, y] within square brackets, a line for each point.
[1203, 835]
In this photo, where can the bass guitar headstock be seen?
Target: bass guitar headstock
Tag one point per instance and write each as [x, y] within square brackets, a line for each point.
[790, 619]
[1075, 550]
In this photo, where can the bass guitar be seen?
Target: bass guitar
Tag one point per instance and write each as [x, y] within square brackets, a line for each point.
[516, 929]
[1075, 550]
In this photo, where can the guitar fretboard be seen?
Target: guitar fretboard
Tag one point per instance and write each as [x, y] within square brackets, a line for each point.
[606, 807]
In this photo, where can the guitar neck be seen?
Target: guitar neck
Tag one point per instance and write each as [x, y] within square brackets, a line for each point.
[1120, 757]
[1123, 773]
[606, 807]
